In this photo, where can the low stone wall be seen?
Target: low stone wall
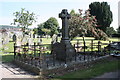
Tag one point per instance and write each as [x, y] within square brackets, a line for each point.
[27, 67]
[78, 66]
[61, 70]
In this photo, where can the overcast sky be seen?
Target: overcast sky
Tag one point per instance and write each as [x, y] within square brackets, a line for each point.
[45, 9]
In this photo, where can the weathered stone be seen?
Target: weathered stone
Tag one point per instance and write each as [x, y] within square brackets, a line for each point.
[64, 50]
[14, 38]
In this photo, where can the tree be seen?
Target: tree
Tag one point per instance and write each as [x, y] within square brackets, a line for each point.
[24, 19]
[82, 24]
[118, 30]
[35, 31]
[46, 31]
[110, 31]
[72, 12]
[52, 25]
[39, 29]
[103, 14]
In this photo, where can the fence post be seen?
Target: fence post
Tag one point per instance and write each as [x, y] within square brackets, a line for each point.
[91, 46]
[14, 50]
[99, 46]
[34, 49]
[53, 59]
[109, 47]
[75, 56]
[77, 45]
[74, 47]
[84, 48]
[91, 49]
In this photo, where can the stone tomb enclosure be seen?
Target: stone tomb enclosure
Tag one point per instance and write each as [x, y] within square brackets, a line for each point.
[63, 57]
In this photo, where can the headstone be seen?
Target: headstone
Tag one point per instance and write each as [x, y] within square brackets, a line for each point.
[14, 38]
[39, 40]
[54, 39]
[18, 40]
[30, 41]
[25, 39]
[64, 50]
[0, 40]
[5, 38]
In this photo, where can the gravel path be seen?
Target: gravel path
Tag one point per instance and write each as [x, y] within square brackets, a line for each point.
[8, 70]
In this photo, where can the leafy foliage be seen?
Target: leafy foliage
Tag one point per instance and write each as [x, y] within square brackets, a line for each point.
[24, 18]
[39, 29]
[118, 30]
[72, 12]
[102, 13]
[49, 27]
[46, 31]
[82, 24]
[110, 31]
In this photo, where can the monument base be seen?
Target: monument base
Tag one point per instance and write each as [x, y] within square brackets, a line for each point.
[64, 51]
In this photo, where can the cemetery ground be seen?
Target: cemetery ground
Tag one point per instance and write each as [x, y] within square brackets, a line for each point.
[96, 69]
[90, 72]
[7, 56]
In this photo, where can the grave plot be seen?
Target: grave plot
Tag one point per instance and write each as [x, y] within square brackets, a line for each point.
[59, 56]
[39, 56]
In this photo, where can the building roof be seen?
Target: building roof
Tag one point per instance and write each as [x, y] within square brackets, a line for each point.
[8, 26]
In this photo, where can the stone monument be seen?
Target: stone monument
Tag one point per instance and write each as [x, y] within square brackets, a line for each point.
[64, 50]
[14, 38]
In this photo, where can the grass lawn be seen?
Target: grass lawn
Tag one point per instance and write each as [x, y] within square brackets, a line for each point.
[95, 70]
[7, 54]
[7, 57]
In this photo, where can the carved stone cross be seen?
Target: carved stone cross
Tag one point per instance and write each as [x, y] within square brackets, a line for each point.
[65, 16]
[64, 50]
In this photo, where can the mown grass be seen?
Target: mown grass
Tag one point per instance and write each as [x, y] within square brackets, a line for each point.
[95, 70]
[7, 57]
[7, 54]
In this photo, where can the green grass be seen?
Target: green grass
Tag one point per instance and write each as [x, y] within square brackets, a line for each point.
[7, 54]
[9, 46]
[95, 70]
[47, 42]
[114, 39]
[7, 57]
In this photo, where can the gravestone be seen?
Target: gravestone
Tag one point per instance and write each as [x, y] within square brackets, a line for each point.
[5, 38]
[14, 38]
[39, 40]
[54, 39]
[64, 50]
[30, 41]
[25, 39]
[18, 40]
[0, 40]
